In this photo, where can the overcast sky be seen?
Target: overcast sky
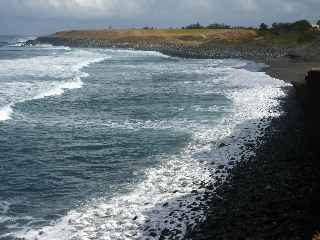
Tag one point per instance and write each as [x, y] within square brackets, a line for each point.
[47, 16]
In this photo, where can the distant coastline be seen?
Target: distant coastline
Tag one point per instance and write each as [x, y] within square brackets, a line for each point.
[286, 61]
[183, 43]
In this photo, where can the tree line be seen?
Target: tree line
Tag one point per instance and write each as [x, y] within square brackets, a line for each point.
[301, 25]
[210, 26]
[277, 27]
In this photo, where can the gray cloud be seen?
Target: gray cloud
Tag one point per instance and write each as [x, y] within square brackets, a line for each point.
[45, 16]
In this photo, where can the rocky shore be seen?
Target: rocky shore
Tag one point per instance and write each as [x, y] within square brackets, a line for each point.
[274, 195]
[217, 49]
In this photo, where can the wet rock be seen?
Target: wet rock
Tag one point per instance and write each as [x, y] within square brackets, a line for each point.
[268, 187]
[221, 145]
[221, 167]
[152, 234]
[210, 187]
[146, 228]
[216, 184]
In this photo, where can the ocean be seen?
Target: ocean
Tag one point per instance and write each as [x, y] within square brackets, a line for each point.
[120, 144]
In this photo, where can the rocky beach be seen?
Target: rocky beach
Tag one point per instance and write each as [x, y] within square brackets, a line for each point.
[275, 194]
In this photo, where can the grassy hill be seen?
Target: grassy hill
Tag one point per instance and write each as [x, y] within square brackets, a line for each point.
[182, 36]
[291, 39]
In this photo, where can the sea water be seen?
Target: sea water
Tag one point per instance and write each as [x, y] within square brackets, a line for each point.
[119, 144]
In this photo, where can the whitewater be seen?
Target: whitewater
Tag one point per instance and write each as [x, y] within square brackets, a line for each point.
[120, 144]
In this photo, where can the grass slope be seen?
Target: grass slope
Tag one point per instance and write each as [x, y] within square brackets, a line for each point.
[182, 36]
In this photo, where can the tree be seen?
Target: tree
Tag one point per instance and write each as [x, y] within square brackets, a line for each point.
[263, 26]
[298, 26]
[318, 23]
[218, 26]
[302, 25]
[281, 26]
[194, 26]
[147, 28]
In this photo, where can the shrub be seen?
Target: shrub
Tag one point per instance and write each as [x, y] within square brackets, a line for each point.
[302, 25]
[263, 27]
[281, 26]
[218, 26]
[306, 37]
[194, 26]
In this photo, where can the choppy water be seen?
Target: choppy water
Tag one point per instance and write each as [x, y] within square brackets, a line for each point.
[117, 144]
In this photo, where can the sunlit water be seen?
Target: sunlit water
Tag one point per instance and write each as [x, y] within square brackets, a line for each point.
[118, 144]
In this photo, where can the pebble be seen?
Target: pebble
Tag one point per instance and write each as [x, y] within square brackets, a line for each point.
[221, 167]
[215, 50]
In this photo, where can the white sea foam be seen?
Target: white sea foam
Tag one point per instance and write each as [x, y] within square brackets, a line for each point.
[5, 113]
[137, 53]
[170, 198]
[64, 65]
[20, 42]
[59, 88]
[50, 47]
[42, 76]
[148, 205]
[4, 207]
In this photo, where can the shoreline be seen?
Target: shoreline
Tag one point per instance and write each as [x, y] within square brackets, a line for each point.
[261, 198]
[212, 50]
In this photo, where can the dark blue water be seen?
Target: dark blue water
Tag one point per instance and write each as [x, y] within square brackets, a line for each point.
[106, 144]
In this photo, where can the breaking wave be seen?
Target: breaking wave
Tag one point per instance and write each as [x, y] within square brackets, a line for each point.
[42, 76]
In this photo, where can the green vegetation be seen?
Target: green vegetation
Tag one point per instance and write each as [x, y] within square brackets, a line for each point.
[194, 26]
[278, 34]
[290, 34]
[210, 26]
[176, 36]
[263, 27]
[302, 25]
[218, 26]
